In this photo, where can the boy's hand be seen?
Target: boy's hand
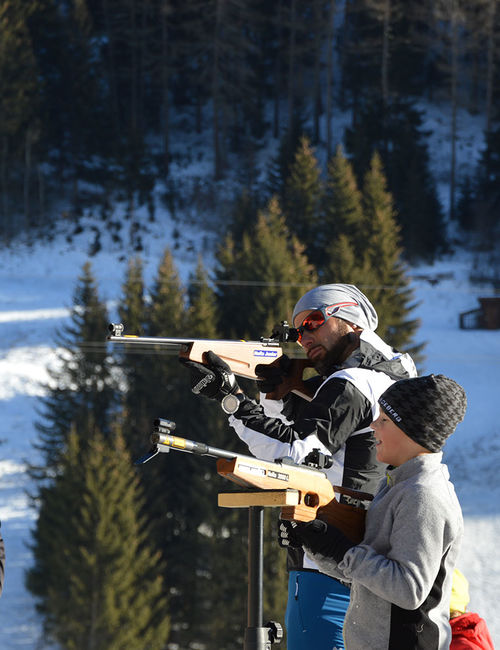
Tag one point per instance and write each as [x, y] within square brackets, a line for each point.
[319, 537]
[288, 534]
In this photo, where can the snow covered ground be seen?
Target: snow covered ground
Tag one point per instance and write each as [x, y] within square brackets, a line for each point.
[36, 287]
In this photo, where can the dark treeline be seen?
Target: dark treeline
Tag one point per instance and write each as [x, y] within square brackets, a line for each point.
[93, 94]
[141, 558]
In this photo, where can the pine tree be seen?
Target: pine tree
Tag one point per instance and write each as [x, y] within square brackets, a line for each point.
[399, 139]
[343, 212]
[81, 388]
[201, 316]
[134, 362]
[204, 576]
[179, 488]
[388, 286]
[303, 192]
[243, 213]
[260, 281]
[166, 317]
[370, 258]
[133, 305]
[346, 264]
[478, 208]
[20, 126]
[222, 554]
[270, 273]
[97, 580]
[278, 170]
[382, 50]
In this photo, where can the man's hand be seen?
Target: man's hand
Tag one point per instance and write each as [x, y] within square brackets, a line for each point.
[271, 375]
[212, 379]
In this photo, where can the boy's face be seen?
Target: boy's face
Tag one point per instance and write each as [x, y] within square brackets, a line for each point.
[394, 447]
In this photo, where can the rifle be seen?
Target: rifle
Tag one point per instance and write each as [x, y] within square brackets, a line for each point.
[302, 491]
[241, 356]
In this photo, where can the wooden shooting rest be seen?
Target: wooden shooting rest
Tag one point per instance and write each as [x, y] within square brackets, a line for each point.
[257, 636]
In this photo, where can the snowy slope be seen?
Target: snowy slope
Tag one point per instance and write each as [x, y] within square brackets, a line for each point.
[36, 287]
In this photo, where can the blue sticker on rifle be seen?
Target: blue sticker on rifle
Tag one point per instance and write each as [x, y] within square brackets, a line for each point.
[265, 353]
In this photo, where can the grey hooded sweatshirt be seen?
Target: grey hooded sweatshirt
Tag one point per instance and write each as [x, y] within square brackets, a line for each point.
[401, 572]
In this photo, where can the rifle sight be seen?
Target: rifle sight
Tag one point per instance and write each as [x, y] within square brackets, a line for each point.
[164, 424]
[282, 333]
[116, 329]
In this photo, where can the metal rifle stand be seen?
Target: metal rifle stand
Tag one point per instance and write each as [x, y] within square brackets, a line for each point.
[257, 636]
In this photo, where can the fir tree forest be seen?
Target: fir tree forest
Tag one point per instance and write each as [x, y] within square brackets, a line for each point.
[95, 97]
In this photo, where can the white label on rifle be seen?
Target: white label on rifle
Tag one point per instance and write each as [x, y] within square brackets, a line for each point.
[277, 475]
[252, 470]
[260, 471]
[265, 353]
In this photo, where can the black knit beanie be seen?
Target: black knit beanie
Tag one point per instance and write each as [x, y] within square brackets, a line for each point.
[427, 409]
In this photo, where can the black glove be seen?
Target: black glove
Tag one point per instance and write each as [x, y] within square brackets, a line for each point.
[271, 375]
[319, 537]
[214, 379]
[288, 534]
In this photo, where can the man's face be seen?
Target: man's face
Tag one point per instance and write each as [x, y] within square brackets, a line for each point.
[331, 337]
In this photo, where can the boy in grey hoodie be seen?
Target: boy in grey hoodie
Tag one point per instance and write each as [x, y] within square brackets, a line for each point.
[401, 572]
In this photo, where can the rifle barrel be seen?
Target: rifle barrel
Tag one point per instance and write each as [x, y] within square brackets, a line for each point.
[160, 437]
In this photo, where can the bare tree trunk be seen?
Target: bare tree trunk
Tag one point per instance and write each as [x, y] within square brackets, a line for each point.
[134, 72]
[28, 140]
[277, 70]
[490, 69]
[41, 194]
[115, 113]
[216, 92]
[329, 78]
[291, 71]
[454, 101]
[318, 41]
[165, 9]
[450, 15]
[386, 35]
[144, 59]
[4, 184]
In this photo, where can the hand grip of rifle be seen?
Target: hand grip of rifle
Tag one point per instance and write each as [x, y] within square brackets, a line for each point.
[293, 381]
[350, 519]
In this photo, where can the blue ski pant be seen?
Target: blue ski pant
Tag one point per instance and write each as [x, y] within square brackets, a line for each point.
[315, 612]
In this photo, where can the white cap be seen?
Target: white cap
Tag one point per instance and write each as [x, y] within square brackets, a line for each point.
[352, 305]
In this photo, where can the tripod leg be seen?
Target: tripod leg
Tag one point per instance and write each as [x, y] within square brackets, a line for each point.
[257, 637]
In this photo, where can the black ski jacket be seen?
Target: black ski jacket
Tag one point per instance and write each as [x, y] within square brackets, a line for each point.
[336, 421]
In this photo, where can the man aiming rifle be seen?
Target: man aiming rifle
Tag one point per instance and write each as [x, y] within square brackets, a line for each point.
[336, 326]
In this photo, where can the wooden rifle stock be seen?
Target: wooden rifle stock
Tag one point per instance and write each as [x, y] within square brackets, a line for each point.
[316, 495]
[313, 494]
[241, 356]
